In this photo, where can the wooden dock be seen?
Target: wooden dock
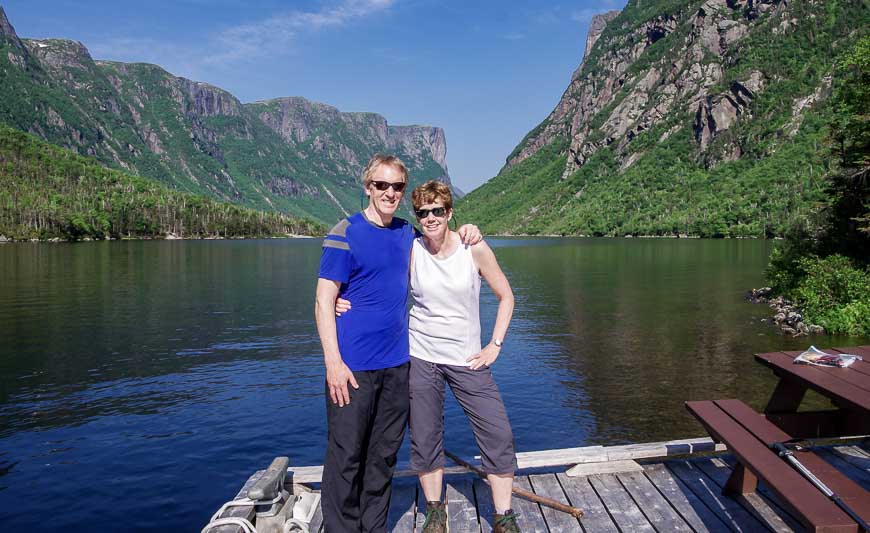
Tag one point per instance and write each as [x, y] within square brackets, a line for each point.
[628, 489]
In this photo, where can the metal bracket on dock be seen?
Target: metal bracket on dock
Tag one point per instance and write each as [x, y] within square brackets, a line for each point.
[268, 491]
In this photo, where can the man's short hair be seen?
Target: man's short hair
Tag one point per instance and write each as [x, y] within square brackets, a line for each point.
[383, 159]
[430, 192]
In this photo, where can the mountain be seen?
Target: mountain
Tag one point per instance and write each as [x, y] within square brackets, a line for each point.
[288, 154]
[685, 117]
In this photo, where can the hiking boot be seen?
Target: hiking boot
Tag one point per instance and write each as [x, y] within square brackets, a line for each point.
[436, 518]
[505, 523]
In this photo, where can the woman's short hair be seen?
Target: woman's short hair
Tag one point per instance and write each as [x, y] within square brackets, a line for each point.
[430, 192]
[383, 159]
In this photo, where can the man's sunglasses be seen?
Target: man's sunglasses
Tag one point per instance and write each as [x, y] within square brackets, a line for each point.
[398, 186]
[437, 211]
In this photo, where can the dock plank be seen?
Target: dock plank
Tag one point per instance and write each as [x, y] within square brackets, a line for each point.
[421, 510]
[731, 512]
[485, 506]
[548, 486]
[623, 509]
[760, 504]
[461, 514]
[684, 501]
[784, 512]
[850, 470]
[858, 459]
[581, 494]
[530, 517]
[403, 503]
[652, 504]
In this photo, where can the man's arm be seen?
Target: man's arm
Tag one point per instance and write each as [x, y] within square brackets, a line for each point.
[337, 373]
[469, 234]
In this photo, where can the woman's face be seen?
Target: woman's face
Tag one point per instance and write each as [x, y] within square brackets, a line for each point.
[433, 222]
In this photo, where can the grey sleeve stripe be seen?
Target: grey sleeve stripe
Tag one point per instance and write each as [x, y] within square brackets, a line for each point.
[329, 243]
[340, 229]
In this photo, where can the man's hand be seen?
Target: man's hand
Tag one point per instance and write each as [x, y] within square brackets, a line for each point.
[337, 377]
[469, 234]
[341, 306]
[485, 357]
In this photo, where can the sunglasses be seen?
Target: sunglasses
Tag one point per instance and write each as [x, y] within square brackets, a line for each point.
[398, 186]
[437, 211]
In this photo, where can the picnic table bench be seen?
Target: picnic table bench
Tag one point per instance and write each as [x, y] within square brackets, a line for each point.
[749, 436]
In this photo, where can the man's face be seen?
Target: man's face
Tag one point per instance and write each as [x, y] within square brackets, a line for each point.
[385, 201]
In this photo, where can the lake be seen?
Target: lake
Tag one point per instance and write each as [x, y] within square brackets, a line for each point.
[143, 382]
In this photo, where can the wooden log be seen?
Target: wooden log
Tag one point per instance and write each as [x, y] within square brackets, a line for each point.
[528, 495]
[561, 457]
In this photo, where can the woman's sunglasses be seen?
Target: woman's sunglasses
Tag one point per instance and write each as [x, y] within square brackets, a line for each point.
[437, 211]
[398, 186]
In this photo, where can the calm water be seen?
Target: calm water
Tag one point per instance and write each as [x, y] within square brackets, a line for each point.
[142, 382]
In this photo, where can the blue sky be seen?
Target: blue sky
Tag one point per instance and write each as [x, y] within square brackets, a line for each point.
[485, 71]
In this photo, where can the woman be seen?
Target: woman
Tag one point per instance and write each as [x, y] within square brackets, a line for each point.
[445, 347]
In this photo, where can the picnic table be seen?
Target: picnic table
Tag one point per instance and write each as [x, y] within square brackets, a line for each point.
[751, 437]
[847, 388]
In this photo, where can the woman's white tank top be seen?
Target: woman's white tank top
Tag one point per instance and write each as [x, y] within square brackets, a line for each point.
[444, 323]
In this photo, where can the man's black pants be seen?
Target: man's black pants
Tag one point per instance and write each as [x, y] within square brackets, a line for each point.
[364, 439]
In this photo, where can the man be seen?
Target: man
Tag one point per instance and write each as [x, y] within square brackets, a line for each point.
[365, 259]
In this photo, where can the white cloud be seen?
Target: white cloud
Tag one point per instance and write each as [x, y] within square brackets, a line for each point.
[278, 32]
[273, 35]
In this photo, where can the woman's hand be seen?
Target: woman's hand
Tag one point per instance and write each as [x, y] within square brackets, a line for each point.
[341, 306]
[485, 357]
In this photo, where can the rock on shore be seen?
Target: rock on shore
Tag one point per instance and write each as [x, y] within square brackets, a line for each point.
[787, 316]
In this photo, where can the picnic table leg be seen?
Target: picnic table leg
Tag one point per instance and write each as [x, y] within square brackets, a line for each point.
[741, 481]
[786, 397]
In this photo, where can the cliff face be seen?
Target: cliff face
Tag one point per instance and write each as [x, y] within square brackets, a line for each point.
[715, 80]
[287, 154]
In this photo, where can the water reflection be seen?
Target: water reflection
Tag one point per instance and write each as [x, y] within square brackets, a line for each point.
[158, 369]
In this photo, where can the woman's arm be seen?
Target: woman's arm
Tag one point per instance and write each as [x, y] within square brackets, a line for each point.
[487, 264]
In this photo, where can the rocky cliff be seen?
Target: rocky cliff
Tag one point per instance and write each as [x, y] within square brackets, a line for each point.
[287, 154]
[718, 89]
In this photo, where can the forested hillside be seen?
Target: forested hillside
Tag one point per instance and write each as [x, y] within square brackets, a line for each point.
[695, 118]
[286, 155]
[47, 192]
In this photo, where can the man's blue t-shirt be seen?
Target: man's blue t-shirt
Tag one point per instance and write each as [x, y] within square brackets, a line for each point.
[371, 262]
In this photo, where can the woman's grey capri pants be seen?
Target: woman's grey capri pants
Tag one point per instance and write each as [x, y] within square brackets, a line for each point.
[477, 393]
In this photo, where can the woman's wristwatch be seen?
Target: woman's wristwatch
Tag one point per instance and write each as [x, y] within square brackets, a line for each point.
[497, 342]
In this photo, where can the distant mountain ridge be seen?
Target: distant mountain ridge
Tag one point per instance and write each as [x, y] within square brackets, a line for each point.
[704, 117]
[287, 154]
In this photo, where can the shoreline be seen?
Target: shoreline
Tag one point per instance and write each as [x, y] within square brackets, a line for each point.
[171, 237]
[58, 240]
